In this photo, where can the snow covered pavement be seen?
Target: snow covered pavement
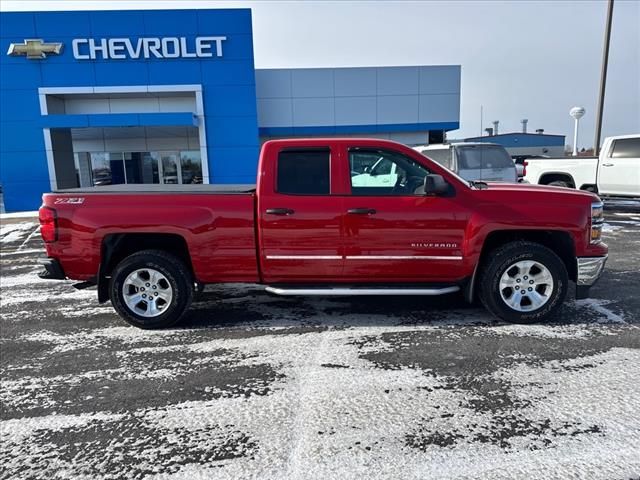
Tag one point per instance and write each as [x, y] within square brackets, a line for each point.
[256, 386]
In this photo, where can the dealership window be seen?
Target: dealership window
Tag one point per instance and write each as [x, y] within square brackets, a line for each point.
[112, 168]
[141, 167]
[191, 166]
[107, 168]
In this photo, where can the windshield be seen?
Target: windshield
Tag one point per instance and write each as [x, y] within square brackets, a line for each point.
[475, 157]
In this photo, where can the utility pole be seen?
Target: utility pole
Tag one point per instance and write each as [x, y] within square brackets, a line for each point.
[603, 78]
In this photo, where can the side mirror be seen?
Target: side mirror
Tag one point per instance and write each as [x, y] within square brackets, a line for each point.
[435, 185]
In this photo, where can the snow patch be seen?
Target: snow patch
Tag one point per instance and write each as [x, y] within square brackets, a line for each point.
[14, 232]
[599, 306]
[608, 228]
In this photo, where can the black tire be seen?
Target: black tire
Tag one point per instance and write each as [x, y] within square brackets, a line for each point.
[177, 275]
[501, 260]
[560, 183]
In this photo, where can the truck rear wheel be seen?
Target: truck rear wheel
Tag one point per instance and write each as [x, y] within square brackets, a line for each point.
[523, 282]
[151, 289]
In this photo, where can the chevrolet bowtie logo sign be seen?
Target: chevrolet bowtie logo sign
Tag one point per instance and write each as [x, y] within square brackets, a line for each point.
[34, 49]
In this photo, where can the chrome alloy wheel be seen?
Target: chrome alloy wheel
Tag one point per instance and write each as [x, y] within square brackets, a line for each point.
[526, 286]
[147, 292]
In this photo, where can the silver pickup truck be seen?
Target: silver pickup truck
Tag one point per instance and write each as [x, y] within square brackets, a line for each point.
[473, 160]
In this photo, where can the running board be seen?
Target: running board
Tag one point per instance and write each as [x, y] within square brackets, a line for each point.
[361, 291]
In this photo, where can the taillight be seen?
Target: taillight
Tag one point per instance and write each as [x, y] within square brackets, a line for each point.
[597, 219]
[524, 169]
[48, 224]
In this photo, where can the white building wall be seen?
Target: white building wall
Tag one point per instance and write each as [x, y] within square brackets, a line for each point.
[121, 103]
[147, 140]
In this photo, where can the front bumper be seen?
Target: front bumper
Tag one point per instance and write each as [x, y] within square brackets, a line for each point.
[52, 269]
[589, 271]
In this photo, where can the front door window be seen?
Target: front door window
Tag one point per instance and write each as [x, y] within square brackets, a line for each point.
[390, 173]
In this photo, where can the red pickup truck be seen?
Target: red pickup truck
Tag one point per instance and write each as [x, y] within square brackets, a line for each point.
[310, 229]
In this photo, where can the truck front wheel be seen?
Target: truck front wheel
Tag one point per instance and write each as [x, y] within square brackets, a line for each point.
[151, 289]
[523, 282]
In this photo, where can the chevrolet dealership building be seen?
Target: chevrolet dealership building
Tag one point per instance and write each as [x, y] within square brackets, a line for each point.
[172, 96]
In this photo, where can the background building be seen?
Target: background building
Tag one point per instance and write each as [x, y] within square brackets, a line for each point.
[526, 143]
[172, 96]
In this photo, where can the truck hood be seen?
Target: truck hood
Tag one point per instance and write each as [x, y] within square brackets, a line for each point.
[541, 190]
[527, 187]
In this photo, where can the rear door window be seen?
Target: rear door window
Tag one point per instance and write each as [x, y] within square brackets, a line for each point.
[626, 148]
[303, 172]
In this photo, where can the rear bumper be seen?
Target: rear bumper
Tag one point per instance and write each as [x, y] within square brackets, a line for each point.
[589, 271]
[52, 269]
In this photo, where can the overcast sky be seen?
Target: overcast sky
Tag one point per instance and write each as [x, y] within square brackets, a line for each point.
[520, 59]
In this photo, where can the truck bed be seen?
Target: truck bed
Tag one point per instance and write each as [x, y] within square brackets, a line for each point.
[162, 188]
[215, 223]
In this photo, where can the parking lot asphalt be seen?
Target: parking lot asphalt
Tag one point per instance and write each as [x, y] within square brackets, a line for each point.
[257, 386]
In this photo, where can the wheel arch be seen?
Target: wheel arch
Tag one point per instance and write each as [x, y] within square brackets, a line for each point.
[589, 187]
[560, 242]
[116, 247]
[547, 178]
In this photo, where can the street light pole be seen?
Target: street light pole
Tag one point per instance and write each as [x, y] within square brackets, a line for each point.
[603, 78]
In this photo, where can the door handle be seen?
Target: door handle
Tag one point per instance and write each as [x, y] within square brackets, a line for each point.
[607, 164]
[280, 211]
[361, 211]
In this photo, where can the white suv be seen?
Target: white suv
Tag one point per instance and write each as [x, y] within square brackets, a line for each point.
[473, 161]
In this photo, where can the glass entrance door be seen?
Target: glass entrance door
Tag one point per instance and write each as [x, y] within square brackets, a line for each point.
[170, 171]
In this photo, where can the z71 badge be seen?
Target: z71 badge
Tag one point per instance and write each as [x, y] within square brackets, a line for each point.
[69, 201]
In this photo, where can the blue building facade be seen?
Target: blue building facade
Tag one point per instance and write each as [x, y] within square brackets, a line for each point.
[172, 96]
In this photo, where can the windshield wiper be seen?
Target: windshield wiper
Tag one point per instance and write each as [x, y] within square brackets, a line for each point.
[479, 185]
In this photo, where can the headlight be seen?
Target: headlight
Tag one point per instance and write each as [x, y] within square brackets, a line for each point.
[597, 219]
